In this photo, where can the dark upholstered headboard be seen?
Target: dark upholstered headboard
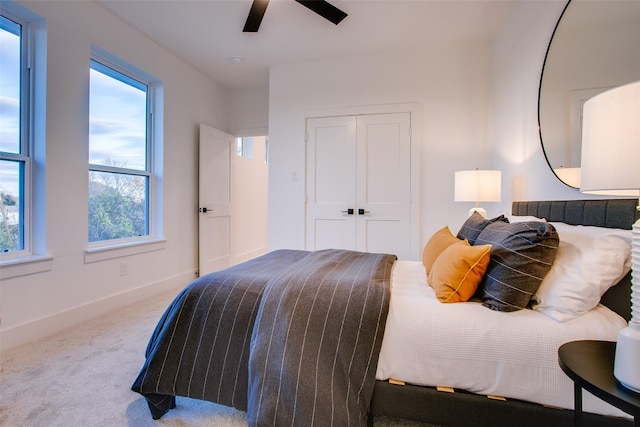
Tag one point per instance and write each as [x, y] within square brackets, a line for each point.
[609, 213]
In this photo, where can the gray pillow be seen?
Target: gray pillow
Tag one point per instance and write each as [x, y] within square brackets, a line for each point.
[521, 255]
[474, 225]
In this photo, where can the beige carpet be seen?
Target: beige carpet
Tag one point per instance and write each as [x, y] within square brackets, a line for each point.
[82, 377]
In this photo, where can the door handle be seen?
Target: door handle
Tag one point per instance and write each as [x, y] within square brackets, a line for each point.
[203, 210]
[362, 212]
[348, 211]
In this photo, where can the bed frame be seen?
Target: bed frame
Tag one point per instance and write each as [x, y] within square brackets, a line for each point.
[464, 409]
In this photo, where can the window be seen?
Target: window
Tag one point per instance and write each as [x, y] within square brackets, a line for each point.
[244, 147]
[121, 176]
[15, 162]
[23, 83]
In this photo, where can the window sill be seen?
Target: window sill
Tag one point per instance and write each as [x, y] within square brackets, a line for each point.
[102, 253]
[31, 264]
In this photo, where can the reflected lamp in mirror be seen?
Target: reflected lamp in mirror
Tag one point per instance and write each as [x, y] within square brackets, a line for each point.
[478, 186]
[611, 166]
[570, 176]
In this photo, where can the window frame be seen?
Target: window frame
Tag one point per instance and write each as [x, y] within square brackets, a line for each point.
[32, 258]
[23, 156]
[153, 240]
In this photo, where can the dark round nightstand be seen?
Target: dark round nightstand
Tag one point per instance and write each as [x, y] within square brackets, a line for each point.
[590, 365]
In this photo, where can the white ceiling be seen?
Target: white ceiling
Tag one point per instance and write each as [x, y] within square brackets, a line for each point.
[206, 33]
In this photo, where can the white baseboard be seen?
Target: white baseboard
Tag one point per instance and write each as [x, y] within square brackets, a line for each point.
[46, 326]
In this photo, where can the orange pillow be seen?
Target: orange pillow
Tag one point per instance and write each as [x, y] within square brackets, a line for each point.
[458, 271]
[440, 241]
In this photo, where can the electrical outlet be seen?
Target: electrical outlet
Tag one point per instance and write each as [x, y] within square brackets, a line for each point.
[124, 268]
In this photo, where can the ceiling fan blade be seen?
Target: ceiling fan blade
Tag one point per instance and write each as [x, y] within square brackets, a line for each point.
[324, 9]
[255, 16]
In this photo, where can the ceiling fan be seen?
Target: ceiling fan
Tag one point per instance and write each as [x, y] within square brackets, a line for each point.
[321, 7]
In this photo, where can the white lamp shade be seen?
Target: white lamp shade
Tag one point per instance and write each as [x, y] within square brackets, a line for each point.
[610, 165]
[570, 176]
[478, 186]
[611, 142]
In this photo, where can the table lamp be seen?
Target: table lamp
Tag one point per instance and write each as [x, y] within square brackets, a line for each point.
[478, 186]
[611, 166]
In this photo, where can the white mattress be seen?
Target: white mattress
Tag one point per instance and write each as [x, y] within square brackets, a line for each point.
[470, 347]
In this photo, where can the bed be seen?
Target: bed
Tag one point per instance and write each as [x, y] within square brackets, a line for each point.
[297, 306]
[463, 408]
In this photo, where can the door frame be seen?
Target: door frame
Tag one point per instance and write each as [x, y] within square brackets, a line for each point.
[415, 111]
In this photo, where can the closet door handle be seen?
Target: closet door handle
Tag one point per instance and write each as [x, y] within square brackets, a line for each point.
[348, 211]
[362, 212]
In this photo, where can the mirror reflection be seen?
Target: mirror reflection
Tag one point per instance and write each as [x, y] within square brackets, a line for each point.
[595, 47]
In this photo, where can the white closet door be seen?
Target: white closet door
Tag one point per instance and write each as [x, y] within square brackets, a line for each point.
[330, 183]
[361, 163]
[384, 184]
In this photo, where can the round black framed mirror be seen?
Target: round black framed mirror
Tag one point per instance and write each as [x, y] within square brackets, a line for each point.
[595, 46]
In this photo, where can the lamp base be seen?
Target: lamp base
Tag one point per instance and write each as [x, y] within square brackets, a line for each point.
[627, 360]
[481, 211]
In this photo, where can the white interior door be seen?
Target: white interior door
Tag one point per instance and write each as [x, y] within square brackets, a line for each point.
[361, 163]
[214, 225]
[330, 183]
[384, 184]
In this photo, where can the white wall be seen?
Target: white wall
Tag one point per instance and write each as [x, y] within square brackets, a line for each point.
[452, 85]
[479, 110]
[249, 112]
[249, 180]
[39, 304]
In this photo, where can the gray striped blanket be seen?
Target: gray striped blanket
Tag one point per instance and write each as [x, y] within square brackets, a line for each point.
[292, 337]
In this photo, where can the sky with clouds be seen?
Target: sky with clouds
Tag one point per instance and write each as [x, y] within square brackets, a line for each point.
[117, 115]
[117, 123]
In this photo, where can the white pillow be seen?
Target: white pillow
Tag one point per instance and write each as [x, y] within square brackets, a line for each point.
[589, 261]
[523, 218]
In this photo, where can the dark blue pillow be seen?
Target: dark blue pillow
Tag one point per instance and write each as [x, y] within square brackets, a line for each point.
[474, 225]
[521, 255]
